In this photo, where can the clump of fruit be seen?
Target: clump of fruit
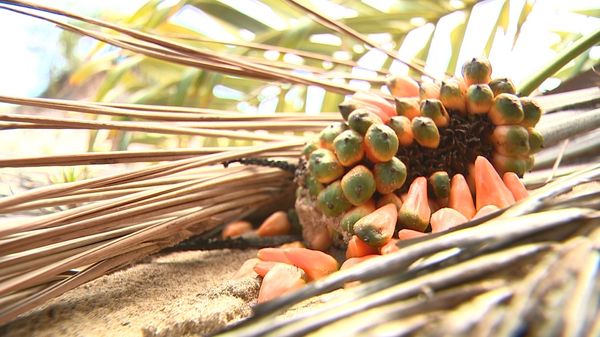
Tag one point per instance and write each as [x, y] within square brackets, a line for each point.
[417, 152]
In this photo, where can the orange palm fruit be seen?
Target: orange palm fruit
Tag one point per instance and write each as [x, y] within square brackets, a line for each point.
[477, 70]
[369, 99]
[403, 86]
[515, 185]
[429, 90]
[536, 140]
[485, 210]
[415, 211]
[440, 184]
[358, 248]
[389, 176]
[389, 198]
[452, 95]
[361, 119]
[479, 99]
[402, 127]
[434, 109]
[263, 267]
[532, 112]
[324, 166]
[510, 140]
[506, 110]
[332, 201]
[327, 135]
[390, 247]
[315, 263]
[349, 147]
[353, 261]
[381, 143]
[378, 227]
[353, 215]
[408, 107]
[280, 280]
[407, 234]
[460, 196]
[235, 229]
[425, 132]
[319, 239]
[489, 187]
[502, 86]
[504, 164]
[446, 218]
[358, 185]
[276, 224]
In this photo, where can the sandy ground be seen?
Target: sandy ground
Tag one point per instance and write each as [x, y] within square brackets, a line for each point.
[180, 294]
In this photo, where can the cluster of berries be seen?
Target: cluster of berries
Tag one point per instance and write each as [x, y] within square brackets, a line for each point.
[410, 154]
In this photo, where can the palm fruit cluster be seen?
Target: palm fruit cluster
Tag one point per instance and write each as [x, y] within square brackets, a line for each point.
[384, 152]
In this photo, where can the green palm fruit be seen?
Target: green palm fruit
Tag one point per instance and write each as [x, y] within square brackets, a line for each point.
[511, 140]
[324, 166]
[309, 148]
[346, 107]
[349, 147]
[505, 164]
[353, 215]
[358, 185]
[331, 201]
[425, 132]
[389, 175]
[478, 70]
[502, 86]
[361, 119]
[401, 126]
[378, 227]
[529, 161]
[381, 143]
[408, 107]
[532, 112]
[479, 99]
[313, 185]
[536, 140]
[434, 109]
[506, 110]
[429, 90]
[328, 134]
[440, 184]
[452, 95]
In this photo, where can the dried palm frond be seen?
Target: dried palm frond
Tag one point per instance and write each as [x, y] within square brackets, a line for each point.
[98, 225]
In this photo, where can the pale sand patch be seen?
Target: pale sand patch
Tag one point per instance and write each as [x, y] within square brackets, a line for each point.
[180, 294]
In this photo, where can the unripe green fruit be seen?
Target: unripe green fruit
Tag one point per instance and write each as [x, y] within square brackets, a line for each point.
[331, 201]
[505, 164]
[502, 86]
[511, 140]
[452, 96]
[381, 143]
[479, 99]
[532, 112]
[328, 134]
[506, 110]
[407, 107]
[324, 166]
[536, 140]
[309, 148]
[352, 216]
[349, 147]
[402, 128]
[425, 132]
[358, 185]
[390, 175]
[440, 184]
[434, 109]
[478, 70]
[361, 119]
[313, 185]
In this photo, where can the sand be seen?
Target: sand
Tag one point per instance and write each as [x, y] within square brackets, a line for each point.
[180, 294]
